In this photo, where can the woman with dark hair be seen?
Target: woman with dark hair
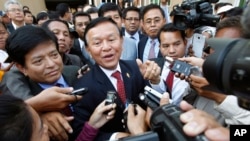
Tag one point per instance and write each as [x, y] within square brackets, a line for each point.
[19, 121]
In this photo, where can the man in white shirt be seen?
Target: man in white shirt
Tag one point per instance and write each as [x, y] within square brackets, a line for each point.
[172, 44]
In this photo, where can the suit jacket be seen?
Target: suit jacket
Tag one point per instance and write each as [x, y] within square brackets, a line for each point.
[15, 83]
[129, 51]
[85, 57]
[141, 47]
[10, 28]
[98, 84]
[71, 59]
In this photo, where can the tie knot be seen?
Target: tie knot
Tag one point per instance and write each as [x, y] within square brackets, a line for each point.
[59, 85]
[132, 37]
[117, 75]
[152, 41]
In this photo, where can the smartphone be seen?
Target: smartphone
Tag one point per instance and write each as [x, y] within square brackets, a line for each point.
[110, 98]
[181, 67]
[198, 44]
[84, 68]
[148, 91]
[80, 91]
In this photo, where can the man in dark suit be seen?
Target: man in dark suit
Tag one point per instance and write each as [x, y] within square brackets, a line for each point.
[103, 40]
[41, 68]
[153, 19]
[131, 19]
[14, 11]
[80, 21]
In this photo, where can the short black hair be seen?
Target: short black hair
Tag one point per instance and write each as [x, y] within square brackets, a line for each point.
[62, 8]
[78, 14]
[92, 10]
[26, 11]
[149, 7]
[170, 27]
[126, 10]
[42, 15]
[45, 25]
[109, 7]
[15, 119]
[96, 22]
[230, 22]
[26, 38]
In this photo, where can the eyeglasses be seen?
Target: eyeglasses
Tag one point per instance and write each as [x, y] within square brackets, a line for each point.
[15, 10]
[155, 21]
[131, 19]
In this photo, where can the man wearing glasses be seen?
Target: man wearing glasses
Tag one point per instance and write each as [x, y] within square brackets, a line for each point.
[153, 18]
[131, 20]
[14, 11]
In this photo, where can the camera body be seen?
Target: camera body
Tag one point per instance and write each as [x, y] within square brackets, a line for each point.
[165, 120]
[194, 13]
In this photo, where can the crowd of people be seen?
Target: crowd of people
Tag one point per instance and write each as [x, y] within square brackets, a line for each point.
[112, 47]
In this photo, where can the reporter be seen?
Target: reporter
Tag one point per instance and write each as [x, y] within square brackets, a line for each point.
[136, 124]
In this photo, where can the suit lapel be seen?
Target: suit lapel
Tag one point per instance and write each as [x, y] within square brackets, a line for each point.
[127, 80]
[141, 47]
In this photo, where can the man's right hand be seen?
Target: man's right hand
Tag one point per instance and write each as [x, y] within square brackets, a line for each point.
[52, 99]
[58, 125]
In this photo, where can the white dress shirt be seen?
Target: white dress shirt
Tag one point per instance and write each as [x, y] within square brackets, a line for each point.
[180, 87]
[147, 49]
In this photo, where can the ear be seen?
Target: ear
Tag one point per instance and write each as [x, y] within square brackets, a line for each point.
[22, 69]
[88, 50]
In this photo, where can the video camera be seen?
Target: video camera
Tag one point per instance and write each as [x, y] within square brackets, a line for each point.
[165, 121]
[227, 69]
[194, 13]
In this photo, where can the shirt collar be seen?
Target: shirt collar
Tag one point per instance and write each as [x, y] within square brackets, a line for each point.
[60, 81]
[110, 72]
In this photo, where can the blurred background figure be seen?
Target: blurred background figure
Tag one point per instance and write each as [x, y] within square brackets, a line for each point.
[42, 17]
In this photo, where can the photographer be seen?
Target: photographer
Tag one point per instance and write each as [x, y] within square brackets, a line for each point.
[226, 105]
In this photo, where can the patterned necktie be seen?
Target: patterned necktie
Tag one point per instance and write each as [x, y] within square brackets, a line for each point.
[120, 86]
[152, 50]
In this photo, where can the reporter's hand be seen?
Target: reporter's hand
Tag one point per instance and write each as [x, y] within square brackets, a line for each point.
[149, 70]
[52, 99]
[198, 82]
[164, 100]
[58, 125]
[99, 118]
[136, 124]
[194, 61]
[197, 122]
